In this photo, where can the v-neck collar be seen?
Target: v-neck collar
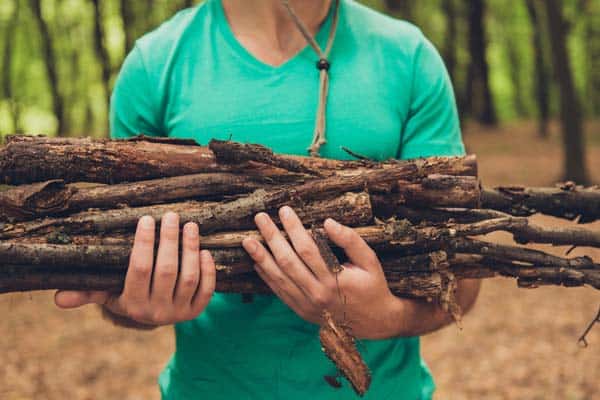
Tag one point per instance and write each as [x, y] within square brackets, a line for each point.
[227, 33]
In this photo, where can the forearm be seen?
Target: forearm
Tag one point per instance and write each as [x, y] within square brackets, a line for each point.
[419, 317]
[124, 322]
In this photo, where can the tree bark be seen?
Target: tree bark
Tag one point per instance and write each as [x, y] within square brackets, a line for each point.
[128, 19]
[570, 109]
[451, 38]
[403, 8]
[54, 198]
[423, 282]
[393, 237]
[541, 79]
[28, 159]
[50, 64]
[99, 40]
[350, 208]
[6, 66]
[478, 99]
[568, 201]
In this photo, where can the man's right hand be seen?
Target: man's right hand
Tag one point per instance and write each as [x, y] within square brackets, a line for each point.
[161, 292]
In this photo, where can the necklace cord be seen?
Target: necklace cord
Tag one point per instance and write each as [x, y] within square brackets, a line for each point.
[323, 65]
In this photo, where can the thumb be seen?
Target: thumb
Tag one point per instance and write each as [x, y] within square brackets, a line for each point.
[73, 299]
[357, 250]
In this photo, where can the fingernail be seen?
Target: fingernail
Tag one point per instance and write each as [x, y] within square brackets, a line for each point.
[261, 218]
[285, 212]
[170, 220]
[250, 245]
[333, 224]
[146, 222]
[191, 229]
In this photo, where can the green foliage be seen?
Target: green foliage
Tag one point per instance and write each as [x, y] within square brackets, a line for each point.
[25, 95]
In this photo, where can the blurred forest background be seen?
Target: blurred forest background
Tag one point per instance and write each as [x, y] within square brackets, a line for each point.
[509, 60]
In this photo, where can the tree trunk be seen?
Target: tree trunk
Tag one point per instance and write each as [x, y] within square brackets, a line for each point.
[541, 79]
[51, 65]
[99, 40]
[404, 8]
[128, 19]
[515, 66]
[570, 111]
[451, 37]
[6, 67]
[591, 11]
[478, 99]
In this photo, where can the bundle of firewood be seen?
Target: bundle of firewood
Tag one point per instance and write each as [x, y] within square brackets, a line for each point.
[69, 208]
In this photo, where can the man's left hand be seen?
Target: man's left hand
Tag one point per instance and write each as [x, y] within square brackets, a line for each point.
[297, 273]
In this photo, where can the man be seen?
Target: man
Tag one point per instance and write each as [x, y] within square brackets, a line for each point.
[242, 68]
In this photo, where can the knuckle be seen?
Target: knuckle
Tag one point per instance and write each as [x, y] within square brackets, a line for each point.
[321, 298]
[259, 255]
[191, 244]
[140, 269]
[330, 285]
[269, 232]
[138, 314]
[285, 262]
[189, 281]
[169, 234]
[349, 235]
[161, 316]
[166, 272]
[145, 236]
[305, 251]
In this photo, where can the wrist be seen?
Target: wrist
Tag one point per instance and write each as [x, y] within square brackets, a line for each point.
[401, 317]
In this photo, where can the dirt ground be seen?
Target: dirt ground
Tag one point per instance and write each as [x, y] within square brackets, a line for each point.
[516, 343]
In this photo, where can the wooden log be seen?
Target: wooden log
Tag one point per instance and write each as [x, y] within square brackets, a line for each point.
[229, 152]
[432, 191]
[350, 209]
[567, 201]
[29, 159]
[418, 281]
[393, 236]
[26, 202]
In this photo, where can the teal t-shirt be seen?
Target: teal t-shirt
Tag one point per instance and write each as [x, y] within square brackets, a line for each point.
[390, 96]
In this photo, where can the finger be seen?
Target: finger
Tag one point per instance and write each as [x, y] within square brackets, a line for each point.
[73, 299]
[167, 260]
[357, 250]
[141, 261]
[285, 257]
[304, 244]
[189, 274]
[208, 281]
[274, 277]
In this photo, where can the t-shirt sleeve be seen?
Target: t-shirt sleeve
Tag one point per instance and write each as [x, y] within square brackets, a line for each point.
[133, 110]
[432, 127]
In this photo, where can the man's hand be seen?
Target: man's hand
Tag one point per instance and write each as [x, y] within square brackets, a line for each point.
[158, 293]
[298, 274]
[358, 295]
